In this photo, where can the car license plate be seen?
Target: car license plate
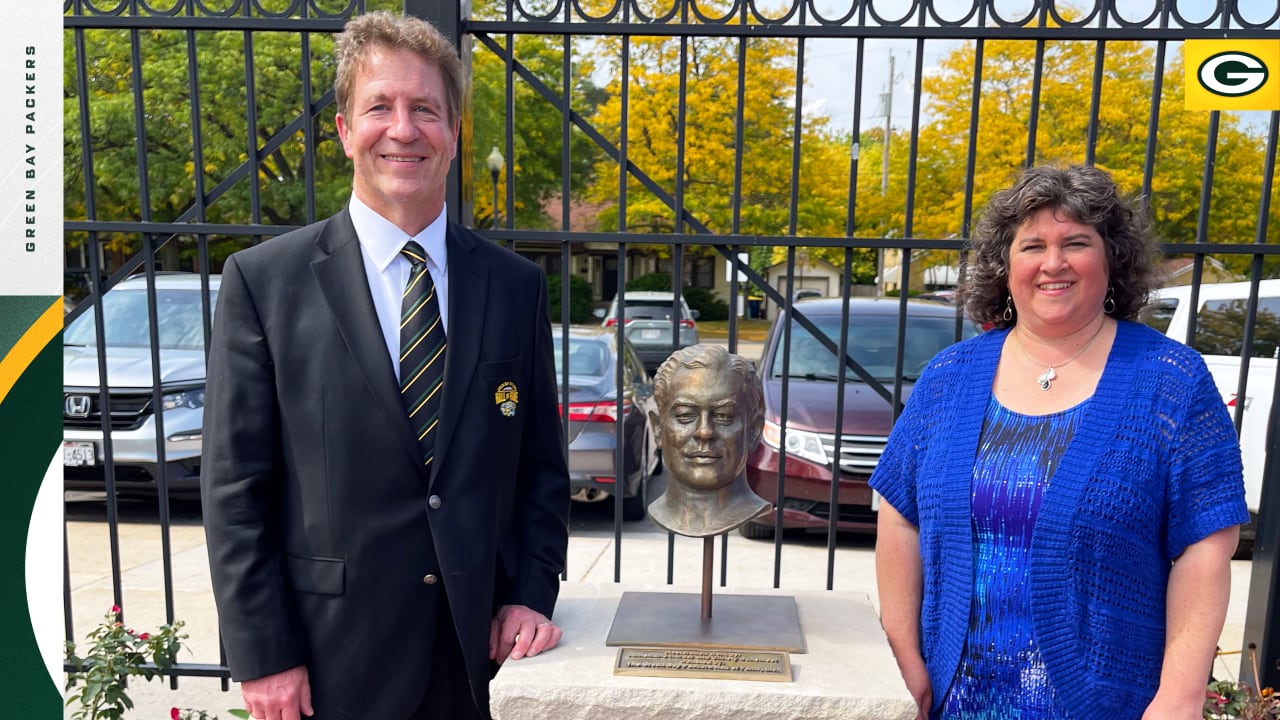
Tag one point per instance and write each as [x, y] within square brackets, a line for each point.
[650, 334]
[875, 501]
[77, 453]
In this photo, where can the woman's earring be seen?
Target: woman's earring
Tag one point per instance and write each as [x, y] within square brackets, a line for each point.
[1008, 308]
[1109, 305]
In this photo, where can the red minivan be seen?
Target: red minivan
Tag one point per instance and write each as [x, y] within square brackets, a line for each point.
[804, 443]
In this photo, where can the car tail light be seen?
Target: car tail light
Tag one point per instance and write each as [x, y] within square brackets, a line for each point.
[606, 411]
[687, 323]
[607, 479]
[613, 322]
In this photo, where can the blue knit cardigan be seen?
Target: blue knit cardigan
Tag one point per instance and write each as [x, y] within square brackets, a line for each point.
[1154, 466]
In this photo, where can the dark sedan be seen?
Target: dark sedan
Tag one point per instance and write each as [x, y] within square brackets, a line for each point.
[810, 433]
[594, 417]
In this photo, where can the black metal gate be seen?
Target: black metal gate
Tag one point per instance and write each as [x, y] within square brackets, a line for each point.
[674, 136]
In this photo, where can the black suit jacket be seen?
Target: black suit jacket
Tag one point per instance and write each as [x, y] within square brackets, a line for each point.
[322, 524]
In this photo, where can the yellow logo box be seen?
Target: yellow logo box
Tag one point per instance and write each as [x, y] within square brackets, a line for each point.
[1232, 74]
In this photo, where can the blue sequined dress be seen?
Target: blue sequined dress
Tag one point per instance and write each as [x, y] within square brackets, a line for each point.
[1001, 675]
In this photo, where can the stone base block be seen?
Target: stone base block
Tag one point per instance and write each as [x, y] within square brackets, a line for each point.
[848, 672]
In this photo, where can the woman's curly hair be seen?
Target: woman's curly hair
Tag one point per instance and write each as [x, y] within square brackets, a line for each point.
[1084, 194]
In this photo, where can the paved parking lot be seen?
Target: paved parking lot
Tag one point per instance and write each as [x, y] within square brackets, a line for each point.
[641, 560]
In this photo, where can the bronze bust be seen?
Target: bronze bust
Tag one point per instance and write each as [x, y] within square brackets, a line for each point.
[710, 416]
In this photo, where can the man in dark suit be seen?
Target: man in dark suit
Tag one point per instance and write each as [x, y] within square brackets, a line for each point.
[368, 563]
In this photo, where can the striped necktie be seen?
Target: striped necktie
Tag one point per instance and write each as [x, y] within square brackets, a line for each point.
[422, 345]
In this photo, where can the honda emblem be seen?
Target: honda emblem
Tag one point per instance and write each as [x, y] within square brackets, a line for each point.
[77, 406]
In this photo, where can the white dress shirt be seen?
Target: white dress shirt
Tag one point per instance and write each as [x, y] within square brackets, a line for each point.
[388, 271]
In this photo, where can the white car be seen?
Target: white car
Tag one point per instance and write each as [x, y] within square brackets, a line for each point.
[1219, 338]
[135, 452]
[648, 320]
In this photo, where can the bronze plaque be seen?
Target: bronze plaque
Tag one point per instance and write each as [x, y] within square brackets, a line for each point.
[704, 663]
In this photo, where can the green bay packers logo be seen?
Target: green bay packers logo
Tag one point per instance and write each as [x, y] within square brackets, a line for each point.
[1232, 73]
[506, 398]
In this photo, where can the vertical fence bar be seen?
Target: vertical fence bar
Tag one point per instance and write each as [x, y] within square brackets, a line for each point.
[833, 499]
[1033, 119]
[149, 249]
[779, 505]
[1095, 99]
[1262, 624]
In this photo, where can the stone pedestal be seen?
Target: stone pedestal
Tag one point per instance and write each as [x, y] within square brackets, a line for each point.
[848, 672]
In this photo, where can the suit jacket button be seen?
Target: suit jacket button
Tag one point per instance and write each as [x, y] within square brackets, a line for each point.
[433, 502]
[430, 579]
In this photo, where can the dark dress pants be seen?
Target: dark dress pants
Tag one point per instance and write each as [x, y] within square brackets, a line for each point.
[448, 695]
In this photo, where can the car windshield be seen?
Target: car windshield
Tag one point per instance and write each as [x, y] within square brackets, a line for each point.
[650, 310]
[125, 323]
[587, 358]
[873, 343]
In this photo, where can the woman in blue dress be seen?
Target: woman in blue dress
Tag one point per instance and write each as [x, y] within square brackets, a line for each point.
[1062, 494]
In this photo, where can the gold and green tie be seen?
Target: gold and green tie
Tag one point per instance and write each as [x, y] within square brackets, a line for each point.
[422, 344]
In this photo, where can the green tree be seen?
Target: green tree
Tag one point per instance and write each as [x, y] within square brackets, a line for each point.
[537, 130]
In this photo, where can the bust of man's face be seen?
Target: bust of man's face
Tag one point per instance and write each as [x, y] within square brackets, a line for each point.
[704, 434]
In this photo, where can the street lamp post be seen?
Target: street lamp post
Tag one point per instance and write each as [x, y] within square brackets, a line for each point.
[496, 163]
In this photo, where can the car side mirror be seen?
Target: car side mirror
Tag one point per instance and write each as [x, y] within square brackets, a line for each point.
[694, 314]
[598, 313]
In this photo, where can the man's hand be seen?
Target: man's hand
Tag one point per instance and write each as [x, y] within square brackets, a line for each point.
[279, 697]
[518, 631]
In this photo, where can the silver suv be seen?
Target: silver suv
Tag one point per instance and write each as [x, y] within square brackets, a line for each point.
[648, 324]
[127, 346]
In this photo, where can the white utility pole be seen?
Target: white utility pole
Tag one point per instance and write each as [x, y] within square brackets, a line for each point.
[886, 106]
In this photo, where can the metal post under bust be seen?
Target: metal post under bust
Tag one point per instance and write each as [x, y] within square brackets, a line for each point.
[709, 419]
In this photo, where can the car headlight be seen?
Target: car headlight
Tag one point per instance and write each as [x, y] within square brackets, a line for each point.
[193, 399]
[799, 443]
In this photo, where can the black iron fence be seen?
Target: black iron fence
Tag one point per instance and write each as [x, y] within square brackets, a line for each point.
[803, 144]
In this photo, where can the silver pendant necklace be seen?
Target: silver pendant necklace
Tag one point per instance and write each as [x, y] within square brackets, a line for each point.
[1046, 378]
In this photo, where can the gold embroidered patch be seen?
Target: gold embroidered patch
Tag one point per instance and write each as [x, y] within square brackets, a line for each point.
[506, 398]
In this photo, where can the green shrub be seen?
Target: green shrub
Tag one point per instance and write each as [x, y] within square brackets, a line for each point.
[579, 299]
[708, 305]
[656, 282]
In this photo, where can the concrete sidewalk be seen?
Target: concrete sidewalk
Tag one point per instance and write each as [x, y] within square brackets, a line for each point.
[641, 559]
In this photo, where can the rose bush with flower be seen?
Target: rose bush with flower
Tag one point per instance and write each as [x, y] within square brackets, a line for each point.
[96, 682]
[1227, 700]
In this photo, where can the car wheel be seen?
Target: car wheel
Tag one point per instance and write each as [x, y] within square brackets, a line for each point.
[756, 531]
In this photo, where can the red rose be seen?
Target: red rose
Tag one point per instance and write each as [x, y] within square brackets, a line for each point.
[115, 609]
[147, 636]
[173, 713]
